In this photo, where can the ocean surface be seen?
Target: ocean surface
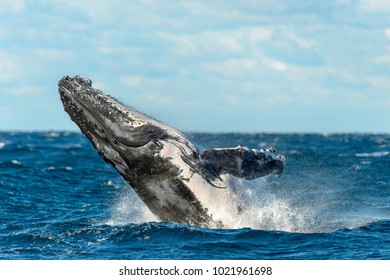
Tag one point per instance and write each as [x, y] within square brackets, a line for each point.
[59, 200]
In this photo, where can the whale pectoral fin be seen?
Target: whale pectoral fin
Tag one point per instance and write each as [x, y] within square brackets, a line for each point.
[225, 160]
[243, 162]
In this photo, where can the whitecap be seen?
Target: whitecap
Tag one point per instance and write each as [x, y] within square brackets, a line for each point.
[294, 152]
[53, 134]
[2, 145]
[373, 154]
[16, 162]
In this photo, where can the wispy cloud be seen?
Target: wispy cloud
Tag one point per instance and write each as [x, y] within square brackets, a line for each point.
[15, 6]
[51, 53]
[387, 33]
[24, 90]
[218, 42]
[232, 67]
[376, 6]
[176, 56]
[7, 66]
[278, 65]
[131, 81]
[159, 99]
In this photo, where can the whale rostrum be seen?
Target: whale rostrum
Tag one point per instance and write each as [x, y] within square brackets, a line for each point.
[177, 180]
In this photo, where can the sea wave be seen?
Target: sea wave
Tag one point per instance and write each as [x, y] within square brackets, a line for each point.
[374, 154]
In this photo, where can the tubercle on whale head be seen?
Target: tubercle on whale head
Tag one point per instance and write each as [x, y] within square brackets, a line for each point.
[79, 79]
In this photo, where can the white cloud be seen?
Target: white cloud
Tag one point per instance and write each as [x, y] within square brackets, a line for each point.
[280, 66]
[44, 35]
[228, 42]
[120, 50]
[232, 67]
[7, 66]
[158, 99]
[147, 84]
[25, 91]
[97, 10]
[209, 42]
[182, 44]
[217, 42]
[258, 34]
[150, 3]
[381, 83]
[14, 6]
[3, 32]
[232, 100]
[197, 8]
[301, 42]
[387, 33]
[217, 11]
[376, 6]
[382, 59]
[53, 53]
[131, 81]
[342, 2]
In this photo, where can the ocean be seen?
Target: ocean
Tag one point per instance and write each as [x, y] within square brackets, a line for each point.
[59, 200]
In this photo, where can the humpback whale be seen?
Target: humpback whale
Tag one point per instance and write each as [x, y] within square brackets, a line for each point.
[177, 180]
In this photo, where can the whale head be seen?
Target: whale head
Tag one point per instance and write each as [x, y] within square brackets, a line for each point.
[102, 118]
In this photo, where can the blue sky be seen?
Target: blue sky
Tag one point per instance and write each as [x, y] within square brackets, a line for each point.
[214, 66]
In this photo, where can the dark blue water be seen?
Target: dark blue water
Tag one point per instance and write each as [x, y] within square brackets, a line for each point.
[59, 200]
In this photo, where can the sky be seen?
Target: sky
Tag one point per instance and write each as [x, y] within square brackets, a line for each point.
[202, 66]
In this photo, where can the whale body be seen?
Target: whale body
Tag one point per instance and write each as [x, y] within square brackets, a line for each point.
[178, 181]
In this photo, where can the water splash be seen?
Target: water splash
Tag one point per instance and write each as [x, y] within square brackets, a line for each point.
[128, 208]
[259, 204]
[260, 208]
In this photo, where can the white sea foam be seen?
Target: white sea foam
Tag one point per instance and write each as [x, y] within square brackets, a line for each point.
[2, 145]
[374, 154]
[53, 134]
[16, 162]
